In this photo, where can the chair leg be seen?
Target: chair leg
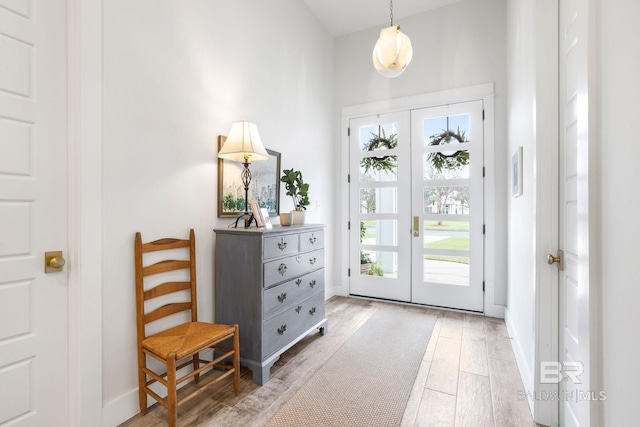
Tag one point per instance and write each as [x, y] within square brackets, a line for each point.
[196, 365]
[142, 382]
[236, 360]
[171, 391]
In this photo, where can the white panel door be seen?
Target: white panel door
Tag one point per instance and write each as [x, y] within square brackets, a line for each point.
[380, 259]
[33, 212]
[574, 228]
[448, 206]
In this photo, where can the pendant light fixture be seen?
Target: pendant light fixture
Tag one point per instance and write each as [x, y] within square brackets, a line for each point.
[392, 52]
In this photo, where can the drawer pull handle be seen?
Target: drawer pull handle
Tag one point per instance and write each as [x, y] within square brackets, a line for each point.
[282, 297]
[312, 239]
[282, 269]
[298, 282]
[282, 244]
[312, 311]
[299, 258]
[281, 329]
[312, 283]
[312, 260]
[298, 308]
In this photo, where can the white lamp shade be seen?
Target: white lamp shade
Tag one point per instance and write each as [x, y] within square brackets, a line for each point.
[392, 52]
[243, 144]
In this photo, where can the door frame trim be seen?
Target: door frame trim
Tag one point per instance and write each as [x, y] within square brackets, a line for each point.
[495, 293]
[546, 192]
[84, 184]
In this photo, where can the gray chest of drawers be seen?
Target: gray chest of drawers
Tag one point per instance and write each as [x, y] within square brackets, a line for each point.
[270, 282]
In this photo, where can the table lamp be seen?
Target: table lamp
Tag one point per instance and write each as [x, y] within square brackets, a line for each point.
[244, 145]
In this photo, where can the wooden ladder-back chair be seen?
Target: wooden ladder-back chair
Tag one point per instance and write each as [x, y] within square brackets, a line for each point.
[178, 346]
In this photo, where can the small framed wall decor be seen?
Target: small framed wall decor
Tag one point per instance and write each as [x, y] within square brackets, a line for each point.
[516, 162]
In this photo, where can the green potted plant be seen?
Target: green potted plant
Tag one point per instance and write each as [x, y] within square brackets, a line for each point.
[299, 192]
[365, 263]
[365, 259]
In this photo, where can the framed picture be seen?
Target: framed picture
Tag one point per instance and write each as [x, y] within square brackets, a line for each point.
[516, 161]
[264, 186]
[266, 218]
[257, 214]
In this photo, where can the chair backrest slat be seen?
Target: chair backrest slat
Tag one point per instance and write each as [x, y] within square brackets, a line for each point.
[164, 244]
[166, 310]
[166, 288]
[165, 266]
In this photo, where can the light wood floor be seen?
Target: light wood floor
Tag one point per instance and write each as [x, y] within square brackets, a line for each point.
[468, 375]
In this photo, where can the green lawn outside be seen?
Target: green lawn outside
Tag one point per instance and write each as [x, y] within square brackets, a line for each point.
[454, 243]
[447, 225]
[430, 225]
[459, 260]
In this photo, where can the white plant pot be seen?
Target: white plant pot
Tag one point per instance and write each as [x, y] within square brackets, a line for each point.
[298, 217]
[286, 218]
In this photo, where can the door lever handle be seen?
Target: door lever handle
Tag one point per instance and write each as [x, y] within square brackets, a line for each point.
[416, 226]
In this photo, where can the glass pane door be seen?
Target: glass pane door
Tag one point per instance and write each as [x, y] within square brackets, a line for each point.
[380, 261]
[447, 206]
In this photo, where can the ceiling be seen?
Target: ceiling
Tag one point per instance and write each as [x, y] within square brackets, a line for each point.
[342, 17]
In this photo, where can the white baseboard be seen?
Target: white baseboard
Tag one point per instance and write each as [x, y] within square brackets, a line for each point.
[526, 371]
[336, 290]
[120, 409]
[494, 311]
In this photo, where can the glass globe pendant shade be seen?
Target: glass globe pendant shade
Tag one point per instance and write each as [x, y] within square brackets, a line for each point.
[392, 52]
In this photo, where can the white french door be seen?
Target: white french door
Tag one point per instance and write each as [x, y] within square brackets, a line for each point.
[380, 259]
[447, 206]
[416, 206]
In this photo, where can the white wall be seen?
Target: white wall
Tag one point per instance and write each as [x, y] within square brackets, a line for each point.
[175, 77]
[619, 95]
[453, 47]
[520, 314]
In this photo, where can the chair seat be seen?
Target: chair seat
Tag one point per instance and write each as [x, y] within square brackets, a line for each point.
[186, 339]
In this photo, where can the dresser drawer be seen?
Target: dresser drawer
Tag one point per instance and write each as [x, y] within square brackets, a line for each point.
[285, 327]
[311, 240]
[289, 268]
[284, 244]
[283, 296]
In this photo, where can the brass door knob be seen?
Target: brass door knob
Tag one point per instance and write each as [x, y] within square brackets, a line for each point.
[557, 259]
[53, 262]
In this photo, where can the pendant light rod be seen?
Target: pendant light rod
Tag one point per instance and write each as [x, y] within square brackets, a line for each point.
[391, 11]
